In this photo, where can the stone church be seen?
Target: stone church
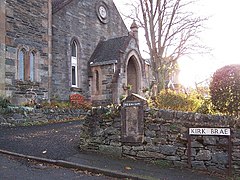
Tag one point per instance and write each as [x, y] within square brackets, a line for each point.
[55, 48]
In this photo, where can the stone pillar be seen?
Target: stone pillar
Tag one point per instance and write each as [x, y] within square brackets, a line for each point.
[132, 117]
[134, 31]
[2, 46]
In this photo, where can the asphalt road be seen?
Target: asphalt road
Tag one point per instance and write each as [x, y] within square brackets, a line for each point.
[60, 142]
[55, 141]
[23, 169]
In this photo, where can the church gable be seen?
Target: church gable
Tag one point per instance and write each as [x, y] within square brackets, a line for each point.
[82, 22]
[98, 16]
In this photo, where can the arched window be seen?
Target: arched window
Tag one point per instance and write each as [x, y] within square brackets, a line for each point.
[134, 75]
[74, 64]
[32, 66]
[26, 65]
[97, 81]
[21, 64]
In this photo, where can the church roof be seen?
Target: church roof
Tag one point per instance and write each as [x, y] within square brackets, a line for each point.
[108, 52]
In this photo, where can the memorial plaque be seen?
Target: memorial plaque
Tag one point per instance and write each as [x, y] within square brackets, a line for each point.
[129, 104]
[132, 120]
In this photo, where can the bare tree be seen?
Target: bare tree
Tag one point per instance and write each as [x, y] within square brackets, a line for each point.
[171, 31]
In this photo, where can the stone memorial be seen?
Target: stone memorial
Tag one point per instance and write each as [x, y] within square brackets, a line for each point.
[132, 119]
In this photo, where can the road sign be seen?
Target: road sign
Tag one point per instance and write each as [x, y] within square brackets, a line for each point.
[210, 131]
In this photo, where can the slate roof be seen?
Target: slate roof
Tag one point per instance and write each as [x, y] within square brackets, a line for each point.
[108, 52]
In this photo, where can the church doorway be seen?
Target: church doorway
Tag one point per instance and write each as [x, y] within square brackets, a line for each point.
[133, 75]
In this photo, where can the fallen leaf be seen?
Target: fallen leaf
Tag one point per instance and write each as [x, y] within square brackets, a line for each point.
[128, 168]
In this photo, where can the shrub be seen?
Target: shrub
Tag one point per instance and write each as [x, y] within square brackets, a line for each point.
[168, 99]
[4, 103]
[66, 104]
[225, 90]
[206, 107]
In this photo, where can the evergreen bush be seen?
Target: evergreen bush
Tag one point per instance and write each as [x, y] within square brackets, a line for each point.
[168, 99]
[225, 90]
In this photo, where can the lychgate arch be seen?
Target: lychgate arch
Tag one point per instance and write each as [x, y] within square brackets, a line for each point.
[133, 74]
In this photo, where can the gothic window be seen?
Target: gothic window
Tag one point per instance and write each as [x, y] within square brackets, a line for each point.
[74, 64]
[21, 64]
[97, 81]
[26, 65]
[32, 66]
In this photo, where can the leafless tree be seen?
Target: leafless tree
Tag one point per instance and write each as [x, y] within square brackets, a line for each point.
[171, 31]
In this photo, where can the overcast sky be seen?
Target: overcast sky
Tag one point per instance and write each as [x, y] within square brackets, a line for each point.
[222, 35]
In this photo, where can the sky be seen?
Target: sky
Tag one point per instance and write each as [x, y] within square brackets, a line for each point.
[222, 35]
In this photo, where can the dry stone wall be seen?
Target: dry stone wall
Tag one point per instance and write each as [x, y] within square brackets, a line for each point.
[165, 135]
[27, 116]
[166, 138]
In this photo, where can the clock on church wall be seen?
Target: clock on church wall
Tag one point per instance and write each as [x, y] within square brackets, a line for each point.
[102, 12]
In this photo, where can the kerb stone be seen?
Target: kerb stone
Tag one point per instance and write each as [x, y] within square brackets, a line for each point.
[111, 150]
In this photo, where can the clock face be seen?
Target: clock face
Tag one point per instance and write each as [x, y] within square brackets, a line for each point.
[102, 11]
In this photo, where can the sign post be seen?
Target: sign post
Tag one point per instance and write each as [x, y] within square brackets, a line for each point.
[211, 132]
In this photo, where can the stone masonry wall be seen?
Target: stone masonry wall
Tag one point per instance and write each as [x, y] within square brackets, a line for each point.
[28, 116]
[165, 138]
[104, 97]
[26, 27]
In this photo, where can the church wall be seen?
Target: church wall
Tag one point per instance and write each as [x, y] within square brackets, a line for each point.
[2, 47]
[27, 27]
[78, 20]
[105, 94]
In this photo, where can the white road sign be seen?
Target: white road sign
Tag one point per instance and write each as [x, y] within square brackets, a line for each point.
[210, 131]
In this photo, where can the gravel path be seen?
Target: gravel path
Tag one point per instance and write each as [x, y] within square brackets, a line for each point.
[55, 141]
